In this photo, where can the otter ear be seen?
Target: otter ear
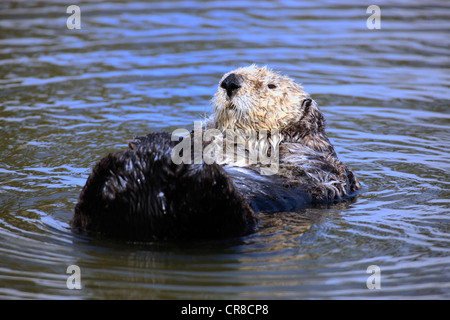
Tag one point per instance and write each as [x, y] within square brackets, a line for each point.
[306, 103]
[311, 115]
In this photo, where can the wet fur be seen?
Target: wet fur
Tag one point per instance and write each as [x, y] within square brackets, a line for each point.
[140, 194]
[306, 155]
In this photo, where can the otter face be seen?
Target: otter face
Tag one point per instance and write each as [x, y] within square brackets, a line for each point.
[258, 99]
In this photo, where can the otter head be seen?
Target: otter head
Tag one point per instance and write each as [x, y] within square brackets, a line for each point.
[258, 99]
[254, 98]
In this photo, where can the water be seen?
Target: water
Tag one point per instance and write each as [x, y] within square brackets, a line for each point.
[68, 97]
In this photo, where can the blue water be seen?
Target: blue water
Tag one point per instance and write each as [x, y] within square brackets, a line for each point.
[69, 97]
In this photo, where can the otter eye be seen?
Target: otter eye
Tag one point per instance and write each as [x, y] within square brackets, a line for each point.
[272, 86]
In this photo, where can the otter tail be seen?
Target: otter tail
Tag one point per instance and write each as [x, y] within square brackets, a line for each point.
[141, 195]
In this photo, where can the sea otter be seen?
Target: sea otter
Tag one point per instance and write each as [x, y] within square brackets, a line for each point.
[142, 194]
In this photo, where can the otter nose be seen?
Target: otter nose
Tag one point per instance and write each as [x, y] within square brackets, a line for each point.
[230, 84]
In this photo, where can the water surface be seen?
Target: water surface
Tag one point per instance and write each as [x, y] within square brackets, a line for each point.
[68, 97]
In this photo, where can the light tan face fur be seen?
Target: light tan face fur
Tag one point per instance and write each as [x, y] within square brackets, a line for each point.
[255, 105]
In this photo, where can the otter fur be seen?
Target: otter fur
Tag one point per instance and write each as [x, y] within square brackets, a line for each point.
[141, 194]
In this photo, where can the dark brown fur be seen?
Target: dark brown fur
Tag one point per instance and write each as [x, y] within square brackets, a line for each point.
[141, 195]
[310, 130]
